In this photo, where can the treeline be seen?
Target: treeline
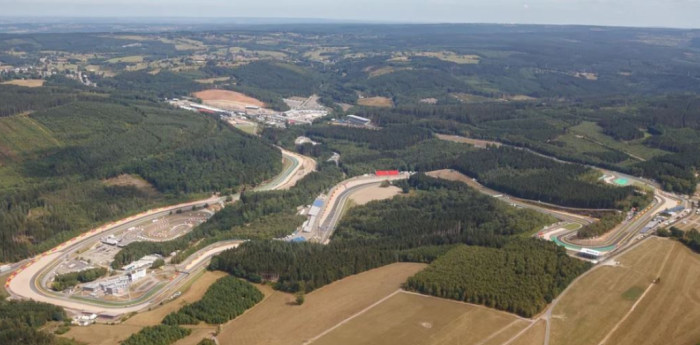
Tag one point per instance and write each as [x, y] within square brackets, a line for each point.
[226, 299]
[164, 84]
[522, 277]
[69, 280]
[20, 322]
[605, 224]
[38, 218]
[303, 266]
[283, 79]
[621, 129]
[529, 176]
[230, 222]
[674, 172]
[220, 162]
[690, 238]
[17, 99]
[157, 335]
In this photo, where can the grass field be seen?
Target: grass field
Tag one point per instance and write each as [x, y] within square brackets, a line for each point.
[533, 336]
[407, 318]
[126, 59]
[278, 321]
[669, 312]
[451, 57]
[22, 136]
[250, 129]
[589, 310]
[593, 131]
[26, 82]
[376, 102]
[102, 334]
[470, 141]
[572, 226]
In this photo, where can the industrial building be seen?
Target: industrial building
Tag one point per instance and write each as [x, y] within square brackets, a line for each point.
[91, 287]
[357, 120]
[145, 261]
[116, 286]
[313, 213]
[137, 274]
[316, 207]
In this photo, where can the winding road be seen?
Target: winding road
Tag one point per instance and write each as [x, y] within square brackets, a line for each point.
[25, 281]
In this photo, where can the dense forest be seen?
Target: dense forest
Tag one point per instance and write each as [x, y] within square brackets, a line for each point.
[157, 335]
[57, 184]
[384, 232]
[20, 321]
[16, 99]
[225, 300]
[440, 208]
[526, 175]
[522, 277]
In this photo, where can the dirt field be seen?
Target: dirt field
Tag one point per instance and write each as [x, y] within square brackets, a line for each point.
[102, 334]
[131, 180]
[26, 83]
[227, 99]
[277, 321]
[533, 336]
[594, 304]
[376, 102]
[669, 313]
[407, 318]
[451, 175]
[464, 140]
[366, 195]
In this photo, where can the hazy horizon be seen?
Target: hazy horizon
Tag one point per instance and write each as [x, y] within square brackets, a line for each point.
[641, 13]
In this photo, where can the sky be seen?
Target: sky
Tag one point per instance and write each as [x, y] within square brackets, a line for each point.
[647, 13]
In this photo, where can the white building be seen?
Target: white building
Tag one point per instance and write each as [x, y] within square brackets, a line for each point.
[110, 240]
[136, 275]
[145, 261]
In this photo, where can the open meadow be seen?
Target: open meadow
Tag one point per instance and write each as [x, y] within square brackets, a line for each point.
[279, 321]
[670, 311]
[381, 102]
[592, 306]
[408, 318]
[26, 82]
[21, 135]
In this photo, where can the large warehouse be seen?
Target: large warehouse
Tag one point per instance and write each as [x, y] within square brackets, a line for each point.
[357, 120]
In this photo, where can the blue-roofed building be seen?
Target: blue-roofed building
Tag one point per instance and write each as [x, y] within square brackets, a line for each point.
[298, 239]
[316, 207]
